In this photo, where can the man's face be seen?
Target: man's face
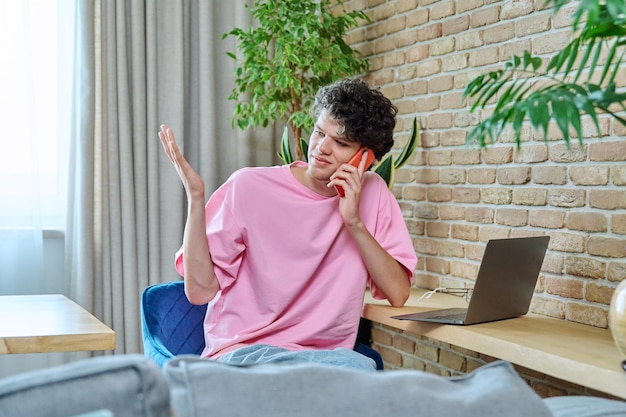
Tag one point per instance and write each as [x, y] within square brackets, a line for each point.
[328, 148]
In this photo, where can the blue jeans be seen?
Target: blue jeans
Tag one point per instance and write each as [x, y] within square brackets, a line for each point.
[257, 354]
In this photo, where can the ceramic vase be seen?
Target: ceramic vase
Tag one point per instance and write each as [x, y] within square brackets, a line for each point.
[617, 318]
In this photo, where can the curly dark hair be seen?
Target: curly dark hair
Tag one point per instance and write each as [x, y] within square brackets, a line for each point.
[367, 116]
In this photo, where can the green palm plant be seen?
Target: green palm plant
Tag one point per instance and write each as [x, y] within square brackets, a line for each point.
[559, 90]
[385, 167]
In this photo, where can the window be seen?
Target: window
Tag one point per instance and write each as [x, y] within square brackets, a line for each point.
[35, 79]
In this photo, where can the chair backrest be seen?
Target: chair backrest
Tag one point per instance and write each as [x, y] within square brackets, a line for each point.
[171, 325]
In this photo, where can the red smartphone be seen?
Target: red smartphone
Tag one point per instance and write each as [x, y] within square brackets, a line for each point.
[355, 161]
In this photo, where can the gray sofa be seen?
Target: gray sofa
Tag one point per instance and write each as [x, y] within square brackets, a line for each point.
[132, 386]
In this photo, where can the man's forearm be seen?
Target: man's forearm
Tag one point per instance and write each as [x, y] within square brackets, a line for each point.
[201, 284]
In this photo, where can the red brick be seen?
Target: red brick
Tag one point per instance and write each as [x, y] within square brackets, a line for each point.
[530, 196]
[455, 101]
[585, 267]
[401, 342]
[606, 247]
[548, 307]
[426, 211]
[513, 9]
[596, 293]
[442, 9]
[418, 52]
[466, 156]
[607, 199]
[586, 221]
[485, 16]
[567, 242]
[462, 270]
[443, 83]
[549, 175]
[512, 217]
[561, 153]
[452, 212]
[553, 263]
[429, 32]
[427, 176]
[452, 137]
[608, 151]
[616, 271]
[456, 25]
[466, 195]
[499, 33]
[566, 198]
[439, 121]
[484, 56]
[468, 40]
[497, 155]
[550, 42]
[532, 24]
[464, 232]
[479, 214]
[481, 175]
[531, 154]
[465, 5]
[440, 158]
[618, 174]
[437, 229]
[452, 360]
[426, 246]
[565, 287]
[417, 16]
[439, 194]
[589, 175]
[449, 248]
[586, 314]
[618, 224]
[550, 219]
[438, 265]
[513, 176]
[496, 195]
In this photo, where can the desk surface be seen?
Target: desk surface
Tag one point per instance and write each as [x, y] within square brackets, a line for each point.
[49, 323]
[581, 354]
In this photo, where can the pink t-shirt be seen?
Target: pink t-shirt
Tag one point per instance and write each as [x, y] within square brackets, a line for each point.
[290, 273]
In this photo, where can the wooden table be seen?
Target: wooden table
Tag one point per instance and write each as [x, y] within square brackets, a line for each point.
[573, 352]
[49, 323]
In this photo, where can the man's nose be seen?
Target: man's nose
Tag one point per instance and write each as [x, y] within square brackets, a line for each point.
[322, 145]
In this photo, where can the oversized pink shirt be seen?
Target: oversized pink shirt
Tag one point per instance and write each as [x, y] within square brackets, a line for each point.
[290, 273]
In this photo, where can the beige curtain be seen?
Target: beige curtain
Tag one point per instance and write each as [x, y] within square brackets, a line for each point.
[143, 63]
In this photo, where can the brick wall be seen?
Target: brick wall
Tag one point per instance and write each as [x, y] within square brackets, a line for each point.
[455, 197]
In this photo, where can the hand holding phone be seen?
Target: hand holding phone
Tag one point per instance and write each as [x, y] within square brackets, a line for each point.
[355, 161]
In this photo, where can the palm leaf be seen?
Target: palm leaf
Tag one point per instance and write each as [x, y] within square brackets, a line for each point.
[409, 147]
[385, 169]
[285, 150]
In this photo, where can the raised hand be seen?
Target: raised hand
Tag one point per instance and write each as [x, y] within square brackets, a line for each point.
[193, 183]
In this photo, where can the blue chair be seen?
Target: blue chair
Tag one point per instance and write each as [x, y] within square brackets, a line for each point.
[172, 326]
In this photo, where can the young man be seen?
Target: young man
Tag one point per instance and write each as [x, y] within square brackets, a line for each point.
[281, 259]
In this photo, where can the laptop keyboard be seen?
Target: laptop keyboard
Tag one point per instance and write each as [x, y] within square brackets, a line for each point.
[455, 317]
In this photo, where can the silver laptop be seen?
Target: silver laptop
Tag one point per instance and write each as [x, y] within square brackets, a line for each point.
[504, 286]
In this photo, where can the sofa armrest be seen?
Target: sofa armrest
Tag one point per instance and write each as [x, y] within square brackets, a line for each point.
[125, 385]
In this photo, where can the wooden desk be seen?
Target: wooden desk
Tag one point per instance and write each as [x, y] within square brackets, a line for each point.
[577, 353]
[49, 323]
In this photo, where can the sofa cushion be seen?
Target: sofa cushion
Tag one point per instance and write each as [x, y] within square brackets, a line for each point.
[201, 387]
[585, 406]
[126, 385]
